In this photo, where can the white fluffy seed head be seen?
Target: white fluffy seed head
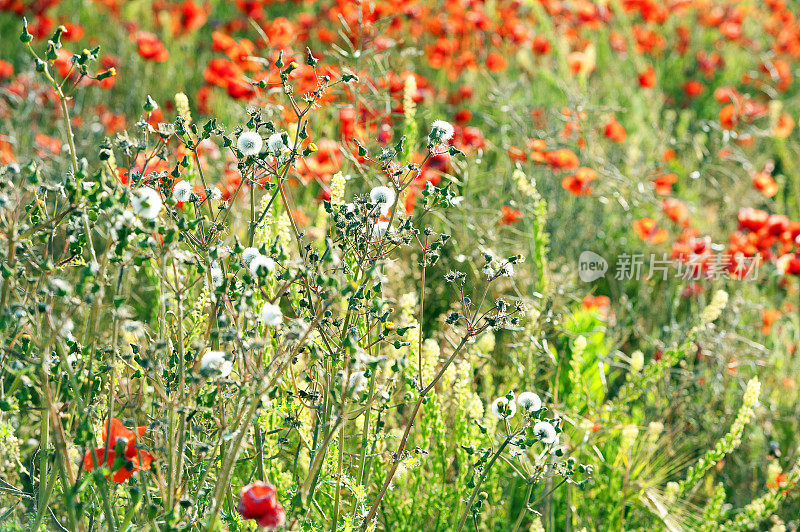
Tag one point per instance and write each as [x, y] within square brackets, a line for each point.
[250, 254]
[502, 408]
[182, 191]
[529, 402]
[275, 144]
[384, 197]
[250, 143]
[546, 432]
[214, 364]
[271, 315]
[146, 203]
[379, 230]
[260, 263]
[442, 131]
[217, 275]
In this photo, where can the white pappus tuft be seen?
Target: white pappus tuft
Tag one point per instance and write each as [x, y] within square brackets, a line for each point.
[379, 230]
[442, 131]
[529, 402]
[275, 144]
[217, 275]
[146, 203]
[182, 191]
[260, 263]
[250, 254]
[357, 382]
[502, 408]
[546, 432]
[383, 197]
[250, 143]
[271, 314]
[215, 364]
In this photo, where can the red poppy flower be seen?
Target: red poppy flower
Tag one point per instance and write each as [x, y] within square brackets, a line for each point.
[541, 45]
[75, 32]
[647, 79]
[579, 62]
[615, 131]
[150, 47]
[693, 88]
[510, 216]
[579, 182]
[777, 224]
[6, 69]
[189, 17]
[752, 219]
[789, 264]
[118, 437]
[259, 501]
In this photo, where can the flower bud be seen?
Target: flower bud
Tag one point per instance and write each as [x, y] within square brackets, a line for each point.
[25, 36]
[150, 105]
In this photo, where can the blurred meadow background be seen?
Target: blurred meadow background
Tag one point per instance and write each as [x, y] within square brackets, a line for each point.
[407, 156]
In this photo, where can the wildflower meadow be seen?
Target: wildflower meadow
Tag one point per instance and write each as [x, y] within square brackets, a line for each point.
[414, 265]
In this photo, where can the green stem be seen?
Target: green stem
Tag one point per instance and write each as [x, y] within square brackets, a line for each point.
[475, 490]
[44, 484]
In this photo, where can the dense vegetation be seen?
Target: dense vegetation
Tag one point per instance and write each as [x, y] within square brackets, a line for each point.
[462, 265]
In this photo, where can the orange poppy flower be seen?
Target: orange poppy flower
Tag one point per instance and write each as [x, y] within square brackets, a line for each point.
[728, 116]
[768, 317]
[598, 302]
[562, 159]
[784, 126]
[664, 184]
[764, 182]
[281, 32]
[6, 152]
[675, 210]
[647, 229]
[495, 62]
